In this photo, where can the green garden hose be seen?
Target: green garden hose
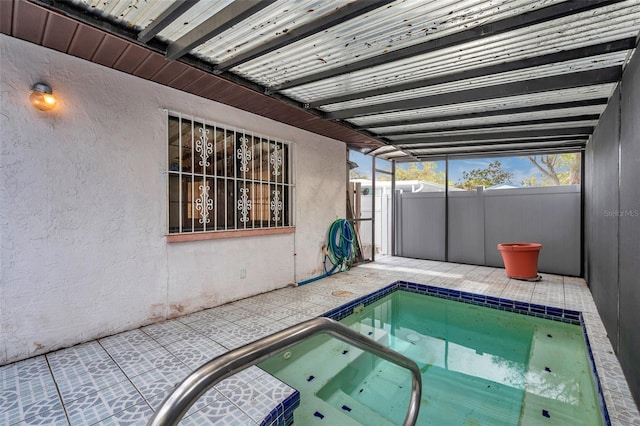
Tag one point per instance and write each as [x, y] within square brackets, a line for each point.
[340, 250]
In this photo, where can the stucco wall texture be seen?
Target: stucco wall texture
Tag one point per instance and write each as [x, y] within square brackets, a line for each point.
[83, 207]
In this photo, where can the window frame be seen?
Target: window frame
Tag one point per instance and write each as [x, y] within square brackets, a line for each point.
[242, 201]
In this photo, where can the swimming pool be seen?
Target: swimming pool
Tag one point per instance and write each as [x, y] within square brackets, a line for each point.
[482, 362]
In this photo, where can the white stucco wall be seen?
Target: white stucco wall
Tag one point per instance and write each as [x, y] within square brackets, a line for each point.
[82, 207]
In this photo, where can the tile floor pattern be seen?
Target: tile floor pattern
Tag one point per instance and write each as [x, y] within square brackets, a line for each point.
[121, 379]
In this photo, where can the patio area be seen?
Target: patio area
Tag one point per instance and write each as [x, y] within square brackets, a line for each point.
[121, 379]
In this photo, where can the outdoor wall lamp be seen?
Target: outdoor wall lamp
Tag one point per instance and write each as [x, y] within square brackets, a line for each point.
[42, 97]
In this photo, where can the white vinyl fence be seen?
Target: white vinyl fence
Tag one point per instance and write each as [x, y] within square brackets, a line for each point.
[480, 220]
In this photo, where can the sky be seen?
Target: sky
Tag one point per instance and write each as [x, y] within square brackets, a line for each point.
[521, 167]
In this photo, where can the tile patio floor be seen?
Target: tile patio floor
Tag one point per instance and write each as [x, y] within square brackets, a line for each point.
[120, 379]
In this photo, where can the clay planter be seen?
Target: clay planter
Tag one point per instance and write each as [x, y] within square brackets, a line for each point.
[520, 259]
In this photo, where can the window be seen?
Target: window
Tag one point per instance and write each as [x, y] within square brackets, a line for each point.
[223, 179]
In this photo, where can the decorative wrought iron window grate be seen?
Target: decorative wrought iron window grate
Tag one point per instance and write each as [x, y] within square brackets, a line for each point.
[222, 179]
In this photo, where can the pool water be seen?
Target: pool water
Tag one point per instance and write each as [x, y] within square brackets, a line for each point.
[480, 366]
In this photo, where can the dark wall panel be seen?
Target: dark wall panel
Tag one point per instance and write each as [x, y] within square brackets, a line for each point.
[587, 191]
[603, 225]
[629, 217]
[612, 217]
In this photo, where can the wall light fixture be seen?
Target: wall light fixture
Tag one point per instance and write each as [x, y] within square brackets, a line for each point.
[42, 97]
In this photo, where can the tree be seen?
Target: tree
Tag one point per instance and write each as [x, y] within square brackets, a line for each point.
[530, 181]
[427, 172]
[489, 176]
[557, 169]
[357, 174]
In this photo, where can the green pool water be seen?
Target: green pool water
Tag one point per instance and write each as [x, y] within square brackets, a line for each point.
[480, 366]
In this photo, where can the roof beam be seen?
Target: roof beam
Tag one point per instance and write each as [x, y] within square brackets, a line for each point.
[562, 56]
[569, 119]
[438, 153]
[492, 113]
[170, 14]
[524, 87]
[345, 13]
[544, 14]
[235, 12]
[384, 149]
[518, 134]
[502, 149]
[558, 139]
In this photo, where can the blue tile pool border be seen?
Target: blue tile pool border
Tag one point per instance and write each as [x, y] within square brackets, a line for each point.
[596, 379]
[282, 415]
[531, 309]
[541, 311]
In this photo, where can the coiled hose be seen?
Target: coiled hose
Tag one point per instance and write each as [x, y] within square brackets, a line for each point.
[340, 250]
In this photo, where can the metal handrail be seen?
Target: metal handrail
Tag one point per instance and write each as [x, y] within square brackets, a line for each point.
[174, 407]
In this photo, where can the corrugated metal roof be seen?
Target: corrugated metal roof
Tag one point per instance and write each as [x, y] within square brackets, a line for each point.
[616, 22]
[130, 13]
[390, 71]
[190, 19]
[501, 119]
[402, 24]
[495, 129]
[560, 68]
[273, 22]
[568, 95]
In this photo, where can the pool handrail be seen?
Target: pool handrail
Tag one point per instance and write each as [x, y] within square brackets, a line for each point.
[178, 402]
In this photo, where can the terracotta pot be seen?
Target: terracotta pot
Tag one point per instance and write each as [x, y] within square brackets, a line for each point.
[520, 259]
